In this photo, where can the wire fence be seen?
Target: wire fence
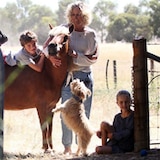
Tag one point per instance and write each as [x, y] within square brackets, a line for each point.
[153, 91]
[154, 102]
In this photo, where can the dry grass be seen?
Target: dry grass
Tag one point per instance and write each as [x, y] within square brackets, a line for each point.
[22, 134]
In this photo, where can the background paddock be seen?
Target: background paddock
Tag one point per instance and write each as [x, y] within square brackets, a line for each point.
[22, 133]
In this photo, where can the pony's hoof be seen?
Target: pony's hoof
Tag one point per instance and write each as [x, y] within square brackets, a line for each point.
[49, 151]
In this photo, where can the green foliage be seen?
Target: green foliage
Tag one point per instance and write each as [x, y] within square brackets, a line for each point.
[143, 28]
[102, 11]
[130, 24]
[61, 11]
[9, 19]
[142, 20]
[122, 27]
[154, 12]
[23, 15]
[131, 9]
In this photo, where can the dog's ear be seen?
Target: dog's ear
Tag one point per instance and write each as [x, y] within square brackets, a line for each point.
[81, 95]
[74, 83]
[88, 92]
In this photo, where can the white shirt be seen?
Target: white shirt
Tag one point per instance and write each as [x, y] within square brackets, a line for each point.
[84, 43]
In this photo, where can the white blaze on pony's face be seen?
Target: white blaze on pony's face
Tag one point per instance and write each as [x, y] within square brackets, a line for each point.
[59, 35]
[59, 30]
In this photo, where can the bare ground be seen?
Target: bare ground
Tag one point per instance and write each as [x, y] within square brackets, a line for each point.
[152, 155]
[22, 134]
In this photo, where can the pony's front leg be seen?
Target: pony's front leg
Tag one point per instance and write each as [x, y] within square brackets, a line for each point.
[44, 138]
[44, 119]
[49, 131]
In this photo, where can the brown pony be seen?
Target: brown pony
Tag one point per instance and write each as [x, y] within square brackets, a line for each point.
[26, 88]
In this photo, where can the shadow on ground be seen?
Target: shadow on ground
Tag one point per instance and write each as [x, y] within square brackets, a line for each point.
[152, 155]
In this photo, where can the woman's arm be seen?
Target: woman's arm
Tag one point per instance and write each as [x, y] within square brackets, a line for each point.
[91, 54]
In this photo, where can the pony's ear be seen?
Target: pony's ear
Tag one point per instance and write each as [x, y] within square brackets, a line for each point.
[50, 26]
[71, 27]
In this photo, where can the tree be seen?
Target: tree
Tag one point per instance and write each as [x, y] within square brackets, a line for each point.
[38, 23]
[61, 11]
[10, 20]
[23, 15]
[135, 21]
[122, 27]
[154, 11]
[143, 28]
[130, 24]
[132, 9]
[101, 13]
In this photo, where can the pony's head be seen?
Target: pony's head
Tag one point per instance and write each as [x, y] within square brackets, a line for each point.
[59, 36]
[3, 38]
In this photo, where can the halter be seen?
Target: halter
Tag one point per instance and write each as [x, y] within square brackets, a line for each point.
[77, 98]
[54, 48]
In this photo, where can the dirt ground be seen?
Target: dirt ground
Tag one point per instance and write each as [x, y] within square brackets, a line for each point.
[152, 155]
[22, 133]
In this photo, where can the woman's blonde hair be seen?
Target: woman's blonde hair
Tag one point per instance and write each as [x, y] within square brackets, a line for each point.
[86, 14]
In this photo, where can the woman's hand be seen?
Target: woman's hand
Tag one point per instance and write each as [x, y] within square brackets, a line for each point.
[91, 57]
[110, 135]
[72, 53]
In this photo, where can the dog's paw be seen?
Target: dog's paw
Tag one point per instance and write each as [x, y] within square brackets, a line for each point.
[54, 110]
[85, 154]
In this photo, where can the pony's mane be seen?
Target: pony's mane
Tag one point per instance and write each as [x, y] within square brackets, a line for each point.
[59, 30]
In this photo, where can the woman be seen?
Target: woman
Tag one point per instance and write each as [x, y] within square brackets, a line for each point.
[83, 49]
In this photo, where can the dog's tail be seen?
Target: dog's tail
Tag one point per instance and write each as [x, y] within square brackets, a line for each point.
[94, 131]
[57, 109]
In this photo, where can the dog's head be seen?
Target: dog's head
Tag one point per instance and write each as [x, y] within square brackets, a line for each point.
[79, 89]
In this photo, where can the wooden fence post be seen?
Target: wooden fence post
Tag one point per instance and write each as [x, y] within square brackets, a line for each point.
[1, 103]
[140, 94]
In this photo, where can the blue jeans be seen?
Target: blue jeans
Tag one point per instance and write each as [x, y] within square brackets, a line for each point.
[66, 94]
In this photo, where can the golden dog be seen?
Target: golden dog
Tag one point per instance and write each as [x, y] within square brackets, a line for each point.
[73, 114]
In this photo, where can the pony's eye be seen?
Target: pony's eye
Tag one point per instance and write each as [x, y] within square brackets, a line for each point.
[65, 38]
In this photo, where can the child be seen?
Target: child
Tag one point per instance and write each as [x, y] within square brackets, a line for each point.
[118, 138]
[28, 54]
